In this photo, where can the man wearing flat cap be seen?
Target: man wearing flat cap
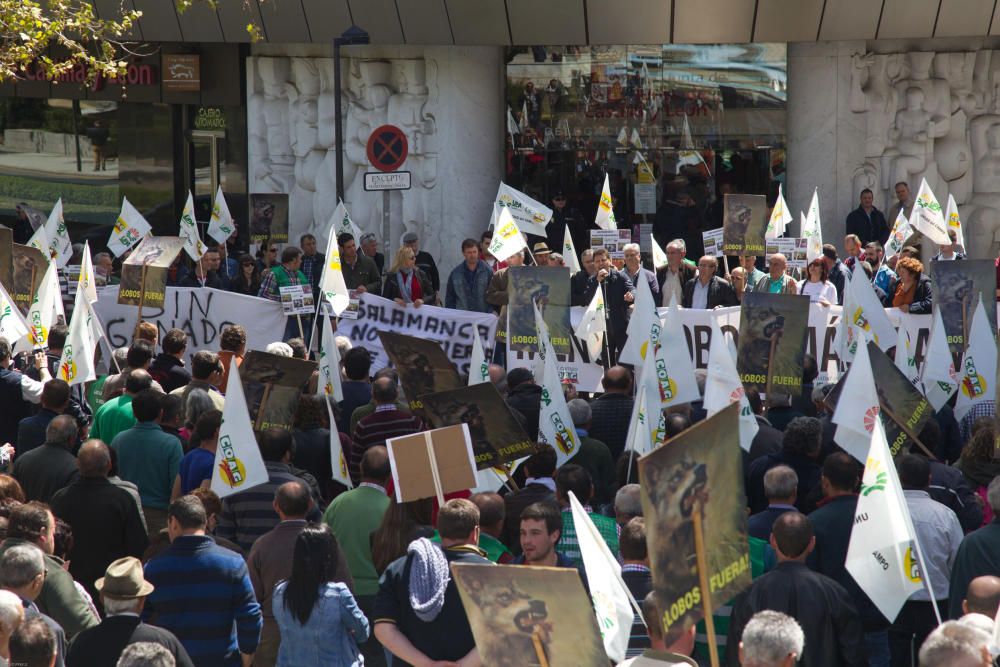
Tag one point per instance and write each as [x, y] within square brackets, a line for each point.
[123, 592]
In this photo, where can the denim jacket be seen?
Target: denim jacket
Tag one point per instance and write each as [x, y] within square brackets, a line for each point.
[458, 295]
[329, 638]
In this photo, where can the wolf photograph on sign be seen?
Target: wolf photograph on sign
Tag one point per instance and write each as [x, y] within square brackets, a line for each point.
[29, 267]
[273, 386]
[779, 322]
[744, 224]
[548, 288]
[956, 287]
[423, 366]
[518, 612]
[268, 217]
[698, 471]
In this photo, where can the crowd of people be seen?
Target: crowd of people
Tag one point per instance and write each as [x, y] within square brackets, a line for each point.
[115, 550]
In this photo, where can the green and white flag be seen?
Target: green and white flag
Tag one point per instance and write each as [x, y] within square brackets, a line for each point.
[130, 228]
[593, 325]
[883, 555]
[569, 252]
[332, 284]
[940, 379]
[221, 226]
[341, 223]
[673, 381]
[531, 216]
[86, 280]
[40, 241]
[780, 217]
[189, 231]
[723, 386]
[239, 465]
[332, 391]
[46, 308]
[862, 312]
[507, 237]
[954, 221]
[605, 218]
[905, 360]
[977, 375]
[659, 257]
[812, 229]
[13, 326]
[555, 426]
[858, 409]
[77, 364]
[901, 230]
[60, 247]
[643, 331]
[479, 368]
[927, 216]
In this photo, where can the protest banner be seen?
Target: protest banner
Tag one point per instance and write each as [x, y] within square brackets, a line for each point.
[144, 273]
[694, 485]
[529, 616]
[452, 330]
[273, 385]
[432, 463]
[548, 288]
[743, 225]
[614, 240]
[296, 300]
[497, 435]
[772, 347]
[423, 366]
[956, 288]
[29, 267]
[268, 217]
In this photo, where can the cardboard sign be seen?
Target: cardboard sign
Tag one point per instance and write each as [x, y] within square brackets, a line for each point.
[529, 615]
[957, 286]
[497, 436]
[29, 266]
[272, 385]
[297, 300]
[549, 288]
[424, 368]
[144, 273]
[699, 471]
[432, 463]
[775, 323]
[268, 217]
[612, 239]
[744, 223]
[794, 250]
[712, 240]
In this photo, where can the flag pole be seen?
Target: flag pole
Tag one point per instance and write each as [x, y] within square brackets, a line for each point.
[607, 345]
[770, 371]
[142, 294]
[263, 404]
[703, 583]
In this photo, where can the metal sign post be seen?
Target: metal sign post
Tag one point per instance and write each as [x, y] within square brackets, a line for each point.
[387, 149]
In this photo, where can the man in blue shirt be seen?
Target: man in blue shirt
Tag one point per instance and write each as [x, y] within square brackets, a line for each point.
[468, 281]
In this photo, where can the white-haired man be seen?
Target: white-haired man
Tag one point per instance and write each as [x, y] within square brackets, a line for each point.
[635, 271]
[675, 274]
[11, 615]
[954, 644]
[771, 639]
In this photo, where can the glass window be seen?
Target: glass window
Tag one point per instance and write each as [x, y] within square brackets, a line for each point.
[673, 126]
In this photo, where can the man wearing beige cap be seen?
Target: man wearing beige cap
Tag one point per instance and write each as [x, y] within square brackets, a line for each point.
[123, 592]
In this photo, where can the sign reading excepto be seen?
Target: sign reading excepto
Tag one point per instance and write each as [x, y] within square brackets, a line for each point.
[377, 181]
[387, 147]
[181, 73]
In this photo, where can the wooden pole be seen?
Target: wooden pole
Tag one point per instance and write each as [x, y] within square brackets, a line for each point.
[142, 293]
[260, 408]
[770, 371]
[703, 583]
[302, 333]
[508, 469]
[536, 640]
[435, 475]
[965, 324]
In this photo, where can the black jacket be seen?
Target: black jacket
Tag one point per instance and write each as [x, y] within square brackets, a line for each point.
[103, 645]
[526, 398]
[820, 605]
[950, 488]
[612, 414]
[838, 276]
[169, 371]
[578, 288]
[720, 293]
[617, 285]
[106, 526]
[426, 263]
[31, 430]
[44, 470]
[808, 471]
[876, 230]
[921, 304]
[650, 277]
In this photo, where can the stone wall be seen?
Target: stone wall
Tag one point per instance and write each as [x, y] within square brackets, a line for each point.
[864, 114]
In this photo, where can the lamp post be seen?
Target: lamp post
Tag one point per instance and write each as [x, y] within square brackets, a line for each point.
[353, 36]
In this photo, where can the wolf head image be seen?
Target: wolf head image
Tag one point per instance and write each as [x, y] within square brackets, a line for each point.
[510, 616]
[676, 492]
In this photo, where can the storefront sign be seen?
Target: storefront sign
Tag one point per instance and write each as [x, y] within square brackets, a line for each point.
[136, 74]
[210, 118]
[181, 73]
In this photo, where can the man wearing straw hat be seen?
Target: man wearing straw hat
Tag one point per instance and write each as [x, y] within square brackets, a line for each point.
[123, 592]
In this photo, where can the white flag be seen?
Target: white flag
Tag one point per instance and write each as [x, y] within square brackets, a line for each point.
[555, 426]
[812, 229]
[901, 230]
[858, 408]
[531, 215]
[479, 368]
[86, 280]
[40, 242]
[862, 312]
[605, 218]
[332, 284]
[906, 362]
[978, 372]
[780, 217]
[341, 223]
[659, 257]
[221, 226]
[238, 463]
[332, 391]
[13, 326]
[507, 237]
[954, 221]
[512, 127]
[883, 556]
[45, 308]
[77, 365]
[593, 325]
[927, 217]
[723, 387]
[674, 380]
[611, 598]
[130, 228]
[189, 231]
[640, 438]
[60, 247]
[643, 326]
[939, 375]
[569, 253]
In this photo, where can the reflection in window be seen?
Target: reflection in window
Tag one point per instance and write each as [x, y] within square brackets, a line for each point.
[55, 148]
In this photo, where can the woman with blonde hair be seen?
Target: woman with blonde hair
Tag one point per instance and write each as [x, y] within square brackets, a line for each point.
[406, 283]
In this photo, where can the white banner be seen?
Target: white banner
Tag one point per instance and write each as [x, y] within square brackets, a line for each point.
[201, 312]
[453, 329]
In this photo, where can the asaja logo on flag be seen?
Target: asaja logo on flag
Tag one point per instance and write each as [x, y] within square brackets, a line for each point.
[334, 262]
[68, 368]
[912, 566]
[668, 387]
[880, 481]
[231, 468]
[973, 384]
[923, 201]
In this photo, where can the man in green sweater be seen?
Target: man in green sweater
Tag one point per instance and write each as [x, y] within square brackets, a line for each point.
[352, 516]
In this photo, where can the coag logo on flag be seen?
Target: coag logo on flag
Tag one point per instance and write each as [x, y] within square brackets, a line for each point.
[564, 441]
[668, 387]
[912, 567]
[232, 469]
[973, 384]
[68, 367]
